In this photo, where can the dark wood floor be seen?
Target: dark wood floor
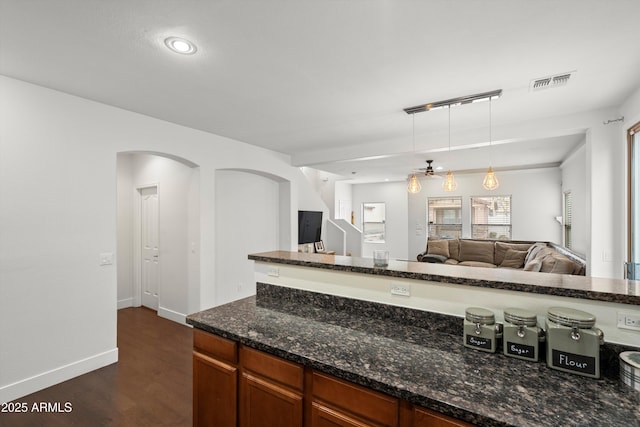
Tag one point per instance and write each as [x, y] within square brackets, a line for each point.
[149, 386]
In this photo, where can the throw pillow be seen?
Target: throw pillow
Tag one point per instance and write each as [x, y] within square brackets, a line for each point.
[563, 265]
[533, 265]
[513, 259]
[549, 258]
[472, 250]
[502, 247]
[438, 247]
[454, 249]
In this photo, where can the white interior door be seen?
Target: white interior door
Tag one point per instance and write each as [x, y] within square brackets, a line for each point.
[150, 249]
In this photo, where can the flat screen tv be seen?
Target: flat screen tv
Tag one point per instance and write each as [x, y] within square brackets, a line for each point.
[309, 226]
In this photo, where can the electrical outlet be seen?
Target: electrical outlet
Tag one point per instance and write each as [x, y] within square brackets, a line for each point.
[401, 289]
[629, 321]
[274, 272]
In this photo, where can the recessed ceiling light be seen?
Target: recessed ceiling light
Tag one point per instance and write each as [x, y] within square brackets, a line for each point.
[179, 45]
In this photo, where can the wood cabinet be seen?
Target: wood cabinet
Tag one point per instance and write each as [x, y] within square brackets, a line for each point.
[234, 385]
[339, 403]
[427, 418]
[215, 381]
[416, 416]
[270, 391]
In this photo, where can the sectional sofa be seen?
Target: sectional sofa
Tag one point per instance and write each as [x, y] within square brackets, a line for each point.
[542, 257]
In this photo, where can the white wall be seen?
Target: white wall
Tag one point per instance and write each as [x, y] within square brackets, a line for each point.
[606, 198]
[244, 225]
[125, 237]
[57, 214]
[575, 181]
[59, 210]
[394, 194]
[320, 199]
[324, 184]
[535, 202]
[353, 237]
[344, 196]
[313, 200]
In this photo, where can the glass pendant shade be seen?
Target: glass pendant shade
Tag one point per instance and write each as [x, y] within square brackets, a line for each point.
[449, 183]
[490, 181]
[414, 184]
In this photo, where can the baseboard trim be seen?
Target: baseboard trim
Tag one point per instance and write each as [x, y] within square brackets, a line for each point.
[125, 303]
[172, 315]
[56, 376]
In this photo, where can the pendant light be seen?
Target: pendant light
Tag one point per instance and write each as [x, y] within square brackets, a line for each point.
[414, 186]
[490, 181]
[449, 183]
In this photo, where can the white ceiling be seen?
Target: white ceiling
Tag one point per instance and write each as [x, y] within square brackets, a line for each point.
[326, 81]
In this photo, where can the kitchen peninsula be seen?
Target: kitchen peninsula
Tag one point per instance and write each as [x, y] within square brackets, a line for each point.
[305, 351]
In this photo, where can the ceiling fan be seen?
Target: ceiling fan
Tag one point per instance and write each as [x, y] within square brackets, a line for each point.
[429, 172]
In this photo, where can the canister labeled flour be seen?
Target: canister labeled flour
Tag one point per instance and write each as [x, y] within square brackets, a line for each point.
[573, 343]
[480, 329]
[522, 336]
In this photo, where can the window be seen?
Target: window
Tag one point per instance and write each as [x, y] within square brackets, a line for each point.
[566, 220]
[445, 217]
[491, 217]
[373, 222]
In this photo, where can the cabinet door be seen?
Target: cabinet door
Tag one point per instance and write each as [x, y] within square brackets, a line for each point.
[323, 416]
[352, 401]
[215, 392]
[267, 404]
[426, 418]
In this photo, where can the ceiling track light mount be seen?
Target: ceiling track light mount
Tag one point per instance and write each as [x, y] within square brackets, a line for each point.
[469, 99]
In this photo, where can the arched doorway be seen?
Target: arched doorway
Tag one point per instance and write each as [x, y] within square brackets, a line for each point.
[174, 182]
[252, 214]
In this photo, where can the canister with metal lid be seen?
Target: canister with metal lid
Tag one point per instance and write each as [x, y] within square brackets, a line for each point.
[630, 369]
[522, 337]
[480, 329]
[573, 341]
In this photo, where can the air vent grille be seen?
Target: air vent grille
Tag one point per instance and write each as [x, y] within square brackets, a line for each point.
[550, 81]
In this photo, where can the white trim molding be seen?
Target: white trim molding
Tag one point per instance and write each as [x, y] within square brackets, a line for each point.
[55, 376]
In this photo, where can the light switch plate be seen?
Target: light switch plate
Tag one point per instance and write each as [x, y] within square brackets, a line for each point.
[106, 258]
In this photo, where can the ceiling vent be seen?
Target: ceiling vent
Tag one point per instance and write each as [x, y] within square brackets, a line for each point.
[550, 81]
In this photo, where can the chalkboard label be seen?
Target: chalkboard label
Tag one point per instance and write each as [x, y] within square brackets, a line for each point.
[521, 350]
[475, 341]
[574, 362]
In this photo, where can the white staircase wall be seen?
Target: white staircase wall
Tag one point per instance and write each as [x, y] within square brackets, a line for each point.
[335, 238]
[353, 235]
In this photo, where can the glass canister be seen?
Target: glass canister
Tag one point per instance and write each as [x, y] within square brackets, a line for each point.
[480, 329]
[522, 337]
[573, 341]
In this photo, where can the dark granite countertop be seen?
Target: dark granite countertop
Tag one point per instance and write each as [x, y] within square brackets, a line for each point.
[592, 288]
[418, 356]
